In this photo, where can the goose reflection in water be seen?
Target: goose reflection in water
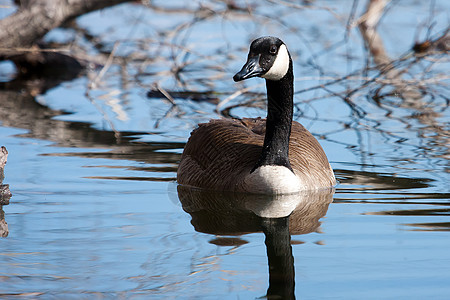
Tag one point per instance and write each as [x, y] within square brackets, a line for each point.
[278, 216]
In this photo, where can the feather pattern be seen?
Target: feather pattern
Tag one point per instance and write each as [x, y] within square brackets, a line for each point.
[221, 153]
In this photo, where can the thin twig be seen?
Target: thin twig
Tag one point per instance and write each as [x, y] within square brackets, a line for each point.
[105, 68]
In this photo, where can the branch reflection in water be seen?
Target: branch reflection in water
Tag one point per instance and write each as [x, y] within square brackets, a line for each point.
[277, 216]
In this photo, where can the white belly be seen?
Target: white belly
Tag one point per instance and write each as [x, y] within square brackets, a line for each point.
[272, 180]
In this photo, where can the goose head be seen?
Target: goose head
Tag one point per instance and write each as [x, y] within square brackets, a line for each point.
[268, 58]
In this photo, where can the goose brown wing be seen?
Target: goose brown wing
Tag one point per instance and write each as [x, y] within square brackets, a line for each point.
[307, 158]
[220, 153]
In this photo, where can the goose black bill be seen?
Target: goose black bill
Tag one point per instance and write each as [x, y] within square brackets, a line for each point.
[250, 69]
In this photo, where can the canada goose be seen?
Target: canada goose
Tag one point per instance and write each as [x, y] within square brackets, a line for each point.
[272, 156]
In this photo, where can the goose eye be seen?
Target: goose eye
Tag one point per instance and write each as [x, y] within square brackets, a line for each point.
[273, 49]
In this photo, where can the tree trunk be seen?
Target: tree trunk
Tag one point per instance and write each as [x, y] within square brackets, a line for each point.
[37, 17]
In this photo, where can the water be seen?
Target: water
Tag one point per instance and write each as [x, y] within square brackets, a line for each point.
[98, 215]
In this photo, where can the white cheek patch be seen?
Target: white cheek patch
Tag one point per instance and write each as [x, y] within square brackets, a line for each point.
[280, 65]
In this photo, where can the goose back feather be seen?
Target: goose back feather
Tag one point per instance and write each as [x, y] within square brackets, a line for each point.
[221, 153]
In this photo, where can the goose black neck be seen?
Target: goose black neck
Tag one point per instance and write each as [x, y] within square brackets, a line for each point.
[280, 104]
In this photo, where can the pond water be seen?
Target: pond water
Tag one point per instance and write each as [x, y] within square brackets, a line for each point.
[96, 211]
